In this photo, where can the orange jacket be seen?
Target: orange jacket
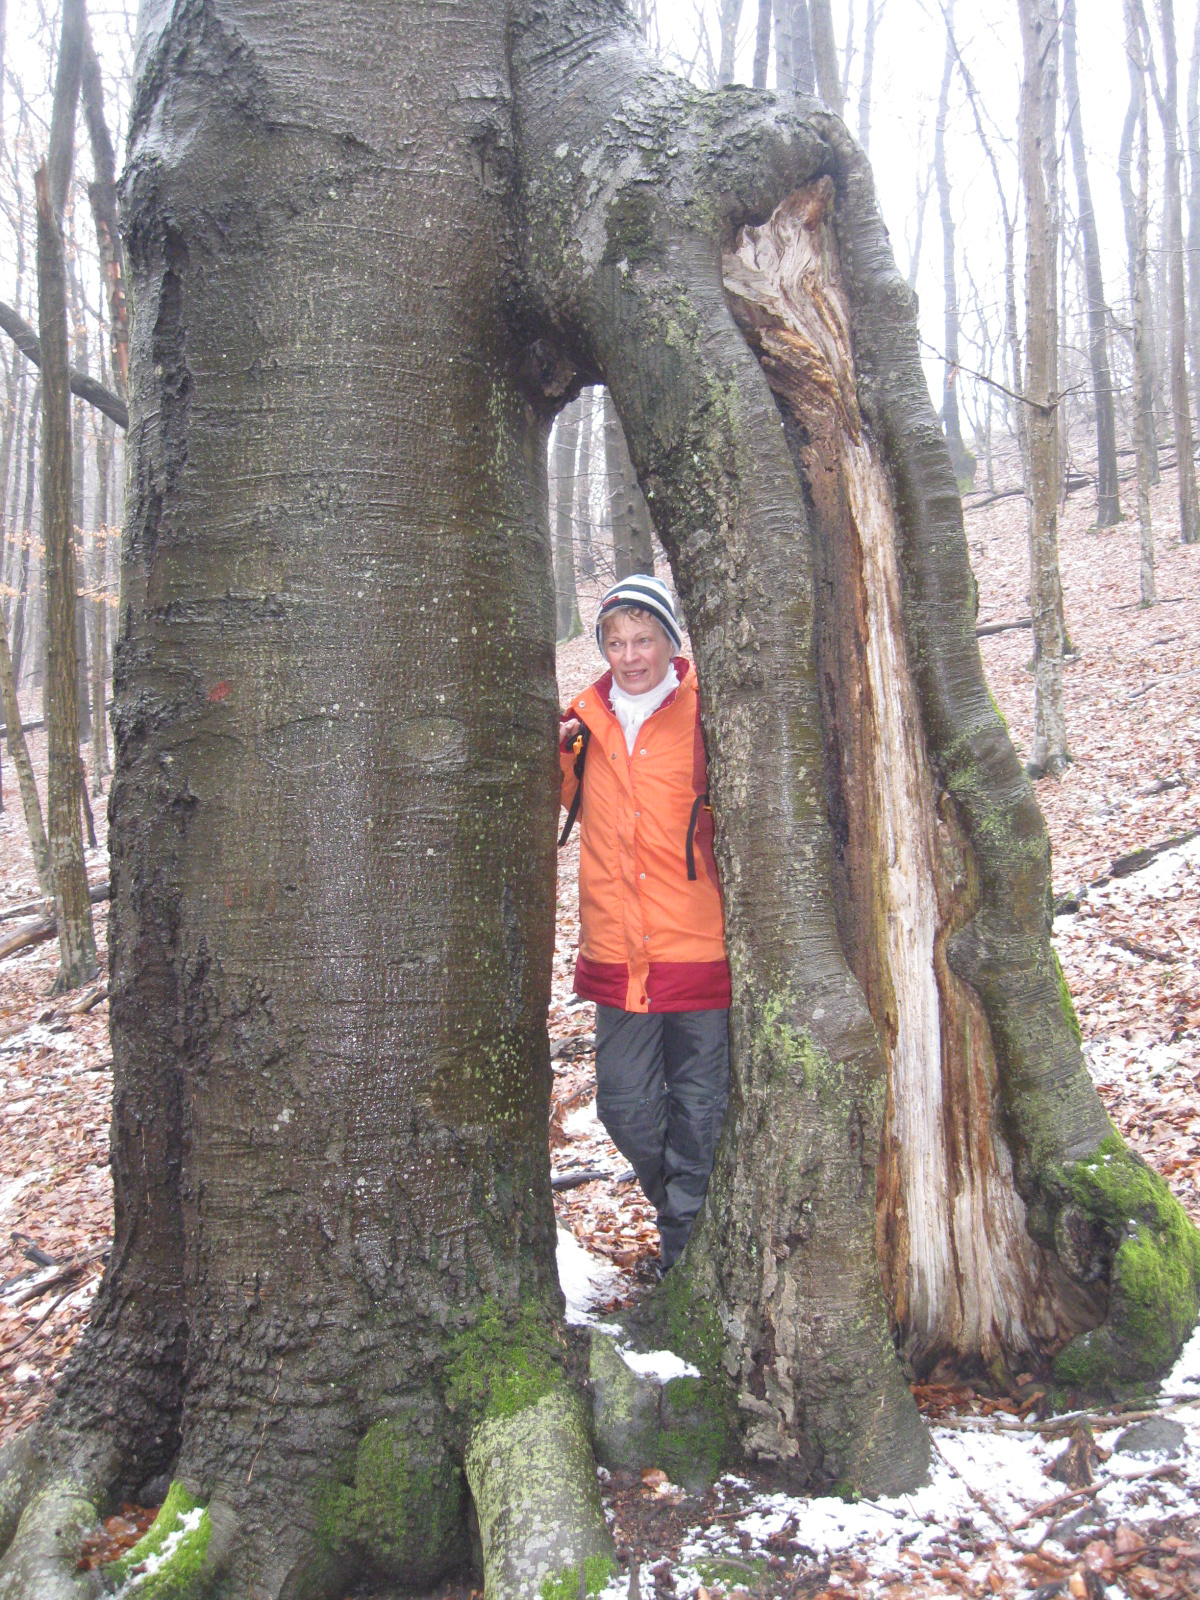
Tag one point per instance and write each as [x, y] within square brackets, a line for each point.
[651, 937]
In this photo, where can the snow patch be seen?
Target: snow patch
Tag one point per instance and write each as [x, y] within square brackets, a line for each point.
[585, 1279]
[658, 1365]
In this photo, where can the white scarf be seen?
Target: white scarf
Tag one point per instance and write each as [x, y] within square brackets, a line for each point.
[631, 710]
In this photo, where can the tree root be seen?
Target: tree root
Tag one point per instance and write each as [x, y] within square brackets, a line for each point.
[540, 1519]
[42, 1557]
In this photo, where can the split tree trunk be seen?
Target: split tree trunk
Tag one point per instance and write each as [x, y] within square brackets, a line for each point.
[334, 812]
[1181, 412]
[1049, 753]
[1108, 501]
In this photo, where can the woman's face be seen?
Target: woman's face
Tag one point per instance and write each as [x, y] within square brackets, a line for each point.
[638, 651]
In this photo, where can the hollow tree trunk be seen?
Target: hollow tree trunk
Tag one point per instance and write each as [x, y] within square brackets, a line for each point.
[1137, 231]
[1108, 505]
[964, 463]
[72, 905]
[868, 73]
[632, 529]
[1181, 412]
[1142, 399]
[334, 812]
[1049, 752]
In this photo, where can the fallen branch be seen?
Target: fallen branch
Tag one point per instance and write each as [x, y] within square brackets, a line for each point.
[87, 388]
[87, 1001]
[1146, 951]
[1002, 627]
[38, 722]
[66, 1271]
[1067, 905]
[572, 1180]
[1169, 1469]
[38, 932]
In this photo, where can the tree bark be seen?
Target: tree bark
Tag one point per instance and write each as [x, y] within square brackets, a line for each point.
[964, 462]
[1108, 504]
[1138, 243]
[1181, 413]
[1039, 44]
[19, 751]
[102, 193]
[868, 73]
[566, 440]
[334, 812]
[76, 940]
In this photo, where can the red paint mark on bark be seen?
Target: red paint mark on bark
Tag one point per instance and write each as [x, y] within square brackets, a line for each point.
[215, 696]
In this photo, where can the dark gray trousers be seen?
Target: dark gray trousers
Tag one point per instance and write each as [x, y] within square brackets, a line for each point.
[662, 1085]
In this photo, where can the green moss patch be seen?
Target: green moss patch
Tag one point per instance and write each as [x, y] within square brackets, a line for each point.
[568, 1584]
[405, 1509]
[170, 1555]
[502, 1364]
[1154, 1282]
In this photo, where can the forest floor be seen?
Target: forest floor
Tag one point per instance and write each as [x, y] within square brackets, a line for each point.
[1130, 953]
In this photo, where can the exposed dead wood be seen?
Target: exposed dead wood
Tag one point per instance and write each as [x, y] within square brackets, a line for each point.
[51, 1277]
[1146, 951]
[45, 928]
[988, 628]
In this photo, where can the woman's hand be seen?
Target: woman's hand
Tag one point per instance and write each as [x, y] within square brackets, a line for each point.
[568, 731]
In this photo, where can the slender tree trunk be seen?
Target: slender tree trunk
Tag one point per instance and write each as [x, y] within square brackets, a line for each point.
[731, 15]
[102, 193]
[1138, 242]
[26, 537]
[762, 44]
[13, 504]
[1181, 411]
[568, 625]
[795, 70]
[581, 510]
[825, 55]
[78, 489]
[1143, 381]
[632, 528]
[964, 464]
[1038, 97]
[868, 73]
[73, 908]
[19, 752]
[8, 432]
[100, 764]
[1193, 140]
[1108, 506]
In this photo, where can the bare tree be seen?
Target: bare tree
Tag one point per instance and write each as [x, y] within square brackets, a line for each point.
[76, 940]
[795, 71]
[1039, 95]
[564, 448]
[730, 12]
[762, 44]
[1166, 98]
[1142, 400]
[1138, 243]
[1193, 141]
[631, 524]
[825, 55]
[964, 465]
[1108, 506]
[874, 13]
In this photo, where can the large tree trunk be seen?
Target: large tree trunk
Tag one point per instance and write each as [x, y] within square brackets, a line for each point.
[1181, 411]
[1108, 502]
[72, 905]
[1038, 99]
[963, 462]
[334, 813]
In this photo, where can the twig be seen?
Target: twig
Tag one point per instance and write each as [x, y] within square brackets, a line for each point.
[979, 1498]
[54, 1276]
[10, 1349]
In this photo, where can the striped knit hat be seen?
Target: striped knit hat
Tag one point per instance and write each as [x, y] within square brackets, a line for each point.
[644, 593]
